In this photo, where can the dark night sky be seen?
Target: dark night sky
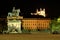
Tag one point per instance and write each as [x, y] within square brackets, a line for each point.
[52, 8]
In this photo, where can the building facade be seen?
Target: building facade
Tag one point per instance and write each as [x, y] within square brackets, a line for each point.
[16, 23]
[36, 23]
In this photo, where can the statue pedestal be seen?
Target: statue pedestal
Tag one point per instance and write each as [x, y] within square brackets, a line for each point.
[14, 22]
[14, 25]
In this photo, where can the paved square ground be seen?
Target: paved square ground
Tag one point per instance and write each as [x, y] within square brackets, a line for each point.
[40, 36]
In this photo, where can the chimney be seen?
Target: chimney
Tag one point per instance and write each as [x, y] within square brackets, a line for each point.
[44, 9]
[40, 9]
[37, 10]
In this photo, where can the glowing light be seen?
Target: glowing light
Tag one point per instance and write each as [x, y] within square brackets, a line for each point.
[41, 12]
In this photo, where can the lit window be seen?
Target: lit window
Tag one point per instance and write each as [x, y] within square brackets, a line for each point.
[33, 24]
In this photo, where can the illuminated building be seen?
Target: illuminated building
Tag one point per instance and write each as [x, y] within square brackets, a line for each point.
[36, 23]
[16, 22]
